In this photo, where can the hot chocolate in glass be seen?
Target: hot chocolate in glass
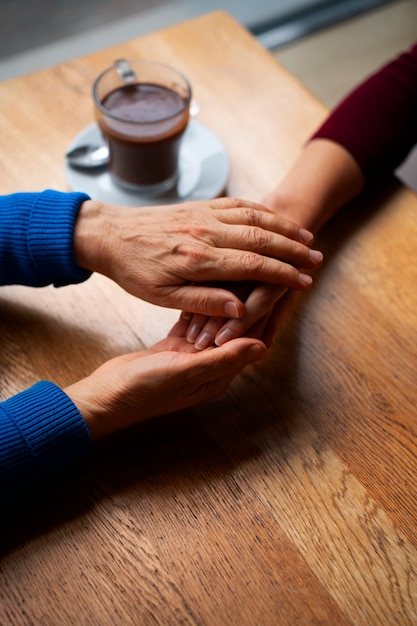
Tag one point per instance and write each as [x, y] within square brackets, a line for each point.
[142, 113]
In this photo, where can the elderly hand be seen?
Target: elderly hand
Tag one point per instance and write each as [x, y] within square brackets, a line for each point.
[167, 254]
[168, 377]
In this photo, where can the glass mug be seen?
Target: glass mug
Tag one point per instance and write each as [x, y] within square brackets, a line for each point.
[142, 109]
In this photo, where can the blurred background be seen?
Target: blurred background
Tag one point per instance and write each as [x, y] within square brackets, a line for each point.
[36, 33]
[29, 24]
[330, 45]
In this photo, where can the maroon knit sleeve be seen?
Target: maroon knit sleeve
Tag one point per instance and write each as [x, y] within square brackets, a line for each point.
[377, 122]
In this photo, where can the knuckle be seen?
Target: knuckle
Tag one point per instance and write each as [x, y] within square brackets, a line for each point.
[298, 248]
[234, 203]
[187, 222]
[191, 257]
[203, 302]
[259, 238]
[252, 262]
[192, 253]
[194, 229]
[251, 216]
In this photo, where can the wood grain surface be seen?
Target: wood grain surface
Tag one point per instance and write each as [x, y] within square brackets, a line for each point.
[292, 499]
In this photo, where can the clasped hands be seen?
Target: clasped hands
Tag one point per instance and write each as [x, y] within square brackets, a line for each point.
[226, 262]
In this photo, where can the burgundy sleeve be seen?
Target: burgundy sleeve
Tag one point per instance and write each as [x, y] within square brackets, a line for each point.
[377, 122]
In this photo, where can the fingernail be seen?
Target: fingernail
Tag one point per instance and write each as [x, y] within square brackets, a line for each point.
[305, 235]
[193, 332]
[231, 310]
[256, 352]
[205, 340]
[305, 279]
[223, 336]
[316, 256]
[186, 315]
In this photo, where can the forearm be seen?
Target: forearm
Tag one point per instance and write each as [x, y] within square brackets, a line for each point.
[321, 181]
[367, 136]
[376, 122]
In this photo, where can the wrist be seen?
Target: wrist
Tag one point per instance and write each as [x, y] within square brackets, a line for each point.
[322, 180]
[95, 410]
[287, 204]
[90, 235]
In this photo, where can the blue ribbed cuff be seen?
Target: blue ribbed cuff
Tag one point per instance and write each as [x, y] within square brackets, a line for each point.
[42, 433]
[50, 237]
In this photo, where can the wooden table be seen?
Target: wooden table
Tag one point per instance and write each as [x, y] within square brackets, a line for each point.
[292, 500]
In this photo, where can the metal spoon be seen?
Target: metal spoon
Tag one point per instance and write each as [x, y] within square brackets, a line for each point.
[88, 156]
[125, 70]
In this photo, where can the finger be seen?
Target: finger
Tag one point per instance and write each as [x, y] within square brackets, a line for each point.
[205, 300]
[180, 328]
[240, 265]
[257, 331]
[228, 203]
[267, 243]
[258, 305]
[226, 360]
[280, 312]
[196, 325]
[253, 214]
[271, 325]
[202, 328]
[206, 332]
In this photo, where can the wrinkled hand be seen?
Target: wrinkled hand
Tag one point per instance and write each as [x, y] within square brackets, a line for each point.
[168, 377]
[167, 254]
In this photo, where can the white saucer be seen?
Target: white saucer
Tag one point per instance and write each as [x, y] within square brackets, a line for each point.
[204, 168]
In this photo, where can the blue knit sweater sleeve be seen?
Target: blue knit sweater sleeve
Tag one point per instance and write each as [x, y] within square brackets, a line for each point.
[41, 434]
[36, 239]
[41, 430]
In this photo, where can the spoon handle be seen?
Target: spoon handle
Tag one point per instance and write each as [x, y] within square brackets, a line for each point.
[125, 71]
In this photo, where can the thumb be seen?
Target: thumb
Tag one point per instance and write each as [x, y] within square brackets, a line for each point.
[208, 300]
[231, 357]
